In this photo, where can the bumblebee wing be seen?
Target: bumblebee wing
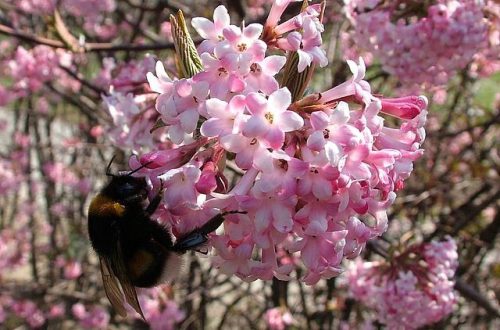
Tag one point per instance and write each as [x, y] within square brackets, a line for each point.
[112, 288]
[128, 289]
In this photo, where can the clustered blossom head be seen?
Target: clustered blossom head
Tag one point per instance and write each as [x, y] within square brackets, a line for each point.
[30, 69]
[315, 176]
[161, 312]
[130, 103]
[420, 44]
[414, 290]
[278, 318]
[95, 317]
[487, 62]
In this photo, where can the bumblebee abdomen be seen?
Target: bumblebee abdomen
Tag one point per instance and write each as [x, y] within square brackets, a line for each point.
[146, 264]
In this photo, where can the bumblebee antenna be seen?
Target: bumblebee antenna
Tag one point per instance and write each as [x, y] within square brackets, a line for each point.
[108, 169]
[139, 168]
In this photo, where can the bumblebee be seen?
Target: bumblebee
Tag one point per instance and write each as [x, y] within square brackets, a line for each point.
[133, 249]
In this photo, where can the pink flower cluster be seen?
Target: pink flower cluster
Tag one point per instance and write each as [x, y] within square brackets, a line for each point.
[423, 50]
[78, 8]
[315, 177]
[31, 69]
[61, 174]
[93, 318]
[161, 312]
[278, 318]
[29, 311]
[414, 290]
[14, 248]
[131, 105]
[487, 62]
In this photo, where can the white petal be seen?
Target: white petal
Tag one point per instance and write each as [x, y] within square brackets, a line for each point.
[203, 26]
[290, 121]
[280, 100]
[217, 108]
[221, 17]
[189, 120]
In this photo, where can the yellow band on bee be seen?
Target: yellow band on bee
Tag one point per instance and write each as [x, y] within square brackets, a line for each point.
[103, 205]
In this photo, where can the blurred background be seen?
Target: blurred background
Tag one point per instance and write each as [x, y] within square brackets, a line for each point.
[57, 136]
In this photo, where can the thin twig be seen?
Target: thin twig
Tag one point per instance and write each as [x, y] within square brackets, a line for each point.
[90, 47]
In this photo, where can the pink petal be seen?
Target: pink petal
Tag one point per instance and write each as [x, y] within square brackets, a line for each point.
[254, 127]
[282, 218]
[280, 100]
[232, 33]
[237, 103]
[322, 190]
[271, 65]
[203, 26]
[212, 127]
[316, 141]
[252, 31]
[256, 103]
[290, 121]
[262, 219]
[319, 56]
[268, 84]
[221, 18]
[189, 120]
[304, 60]
[319, 120]
[216, 108]
[183, 88]
[236, 84]
[294, 39]
[275, 137]
[234, 142]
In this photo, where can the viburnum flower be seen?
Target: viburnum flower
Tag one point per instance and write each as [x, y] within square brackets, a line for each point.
[314, 177]
[278, 318]
[130, 103]
[306, 44]
[419, 46]
[94, 318]
[212, 32]
[301, 33]
[270, 119]
[29, 311]
[242, 46]
[161, 312]
[414, 290]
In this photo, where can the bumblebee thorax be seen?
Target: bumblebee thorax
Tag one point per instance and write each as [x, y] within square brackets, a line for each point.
[103, 206]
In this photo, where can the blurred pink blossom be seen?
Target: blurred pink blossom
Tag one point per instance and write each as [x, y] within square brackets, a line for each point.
[415, 290]
[278, 318]
[420, 50]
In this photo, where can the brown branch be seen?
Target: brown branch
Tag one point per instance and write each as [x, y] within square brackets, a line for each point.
[90, 47]
[471, 293]
[30, 38]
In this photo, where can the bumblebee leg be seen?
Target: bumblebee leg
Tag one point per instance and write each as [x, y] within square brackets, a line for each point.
[216, 221]
[191, 241]
[199, 236]
[155, 202]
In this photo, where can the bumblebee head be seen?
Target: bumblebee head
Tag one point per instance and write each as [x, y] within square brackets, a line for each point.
[124, 186]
